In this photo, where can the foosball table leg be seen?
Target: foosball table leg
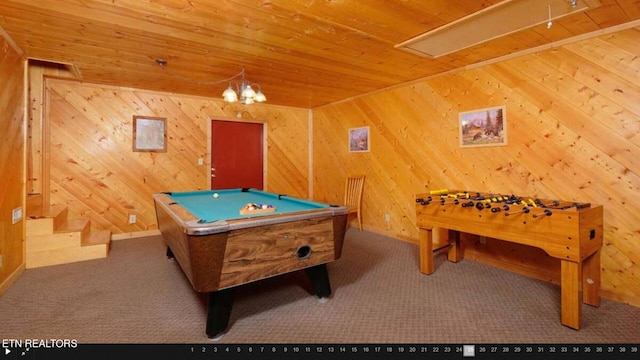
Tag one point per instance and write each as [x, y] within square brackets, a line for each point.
[454, 254]
[570, 299]
[425, 239]
[591, 279]
[445, 238]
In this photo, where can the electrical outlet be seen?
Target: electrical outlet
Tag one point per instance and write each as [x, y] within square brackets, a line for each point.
[16, 215]
[483, 240]
[387, 218]
[132, 218]
[0, 261]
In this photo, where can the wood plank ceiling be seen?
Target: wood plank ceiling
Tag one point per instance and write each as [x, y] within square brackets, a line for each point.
[303, 53]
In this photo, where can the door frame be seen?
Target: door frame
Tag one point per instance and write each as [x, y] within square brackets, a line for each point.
[208, 162]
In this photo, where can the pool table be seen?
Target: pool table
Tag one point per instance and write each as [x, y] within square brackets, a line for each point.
[219, 248]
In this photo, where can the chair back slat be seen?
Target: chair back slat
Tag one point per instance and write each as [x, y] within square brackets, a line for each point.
[353, 190]
[353, 195]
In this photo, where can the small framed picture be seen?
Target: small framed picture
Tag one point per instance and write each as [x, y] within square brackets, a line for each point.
[149, 134]
[359, 139]
[483, 127]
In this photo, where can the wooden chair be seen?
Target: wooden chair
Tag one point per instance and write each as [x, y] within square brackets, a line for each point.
[353, 195]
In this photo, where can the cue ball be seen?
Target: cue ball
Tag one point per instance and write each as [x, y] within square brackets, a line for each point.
[215, 195]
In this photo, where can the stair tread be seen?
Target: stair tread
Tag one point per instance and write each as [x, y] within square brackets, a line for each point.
[73, 225]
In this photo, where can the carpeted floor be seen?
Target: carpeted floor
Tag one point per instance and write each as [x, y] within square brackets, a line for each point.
[379, 296]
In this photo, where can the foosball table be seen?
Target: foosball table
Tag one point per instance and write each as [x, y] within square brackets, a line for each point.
[569, 231]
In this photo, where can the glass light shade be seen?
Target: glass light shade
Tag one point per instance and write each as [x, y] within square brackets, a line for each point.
[229, 95]
[260, 96]
[248, 92]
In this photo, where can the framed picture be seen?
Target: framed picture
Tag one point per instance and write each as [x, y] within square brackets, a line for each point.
[149, 134]
[359, 139]
[483, 127]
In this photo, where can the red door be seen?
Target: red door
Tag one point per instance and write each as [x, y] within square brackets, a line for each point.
[236, 155]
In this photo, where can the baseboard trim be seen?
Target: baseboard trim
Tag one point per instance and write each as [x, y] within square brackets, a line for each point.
[622, 298]
[135, 235]
[12, 278]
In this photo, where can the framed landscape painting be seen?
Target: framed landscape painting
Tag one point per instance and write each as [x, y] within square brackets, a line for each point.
[483, 127]
[149, 134]
[359, 139]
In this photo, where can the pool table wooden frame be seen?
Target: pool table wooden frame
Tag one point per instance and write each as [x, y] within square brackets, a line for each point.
[216, 257]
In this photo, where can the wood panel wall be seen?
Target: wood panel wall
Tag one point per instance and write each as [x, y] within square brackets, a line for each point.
[95, 173]
[36, 142]
[573, 119]
[12, 149]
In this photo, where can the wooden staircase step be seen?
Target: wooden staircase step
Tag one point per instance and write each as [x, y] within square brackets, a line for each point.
[48, 223]
[39, 226]
[93, 246]
[61, 240]
[64, 256]
[76, 225]
[59, 215]
[55, 240]
[100, 237]
[72, 233]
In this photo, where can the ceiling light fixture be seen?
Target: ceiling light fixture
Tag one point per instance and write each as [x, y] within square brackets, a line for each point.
[247, 93]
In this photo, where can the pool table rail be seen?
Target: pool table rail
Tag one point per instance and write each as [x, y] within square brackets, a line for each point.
[193, 225]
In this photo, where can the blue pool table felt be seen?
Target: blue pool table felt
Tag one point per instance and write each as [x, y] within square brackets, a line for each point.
[227, 205]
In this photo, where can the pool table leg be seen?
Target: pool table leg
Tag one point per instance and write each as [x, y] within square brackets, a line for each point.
[218, 311]
[319, 278]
